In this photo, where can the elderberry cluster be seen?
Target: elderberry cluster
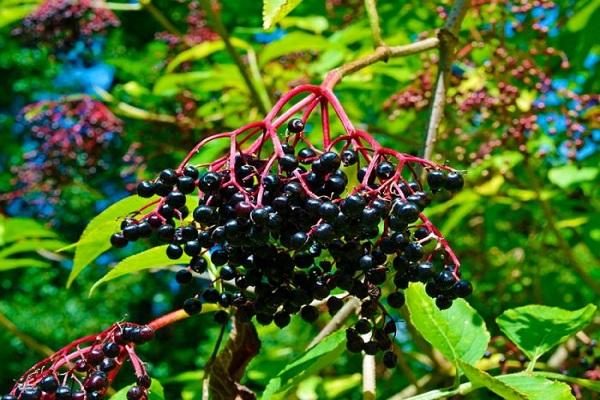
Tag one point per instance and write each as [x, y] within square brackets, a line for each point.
[62, 24]
[288, 230]
[85, 373]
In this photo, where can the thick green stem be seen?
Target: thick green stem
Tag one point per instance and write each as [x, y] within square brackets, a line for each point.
[562, 243]
[218, 26]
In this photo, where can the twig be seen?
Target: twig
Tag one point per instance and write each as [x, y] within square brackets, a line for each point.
[368, 375]
[563, 245]
[382, 53]
[119, 6]
[26, 339]
[222, 32]
[337, 321]
[371, 7]
[448, 39]
[160, 18]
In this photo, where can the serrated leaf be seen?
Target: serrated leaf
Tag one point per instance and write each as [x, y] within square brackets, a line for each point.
[537, 388]
[275, 10]
[155, 392]
[314, 359]
[535, 329]
[483, 379]
[203, 50]
[459, 332]
[293, 42]
[95, 238]
[155, 257]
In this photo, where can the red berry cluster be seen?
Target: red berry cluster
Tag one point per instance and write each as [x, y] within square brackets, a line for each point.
[198, 30]
[69, 138]
[85, 369]
[289, 217]
[62, 23]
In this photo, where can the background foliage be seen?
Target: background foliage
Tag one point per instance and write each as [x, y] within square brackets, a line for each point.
[527, 226]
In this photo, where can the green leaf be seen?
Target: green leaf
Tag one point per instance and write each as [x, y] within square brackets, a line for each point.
[12, 11]
[536, 387]
[459, 333]
[155, 257]
[536, 329]
[275, 10]
[8, 263]
[314, 23]
[203, 50]
[27, 246]
[482, 379]
[586, 383]
[314, 359]
[580, 19]
[295, 41]
[13, 229]
[216, 79]
[95, 238]
[568, 175]
[155, 392]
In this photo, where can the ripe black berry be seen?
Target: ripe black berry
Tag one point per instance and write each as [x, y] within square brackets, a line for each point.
[396, 299]
[454, 181]
[295, 125]
[31, 393]
[168, 177]
[135, 393]
[191, 172]
[309, 313]
[183, 276]
[384, 170]
[174, 251]
[288, 162]
[145, 189]
[118, 240]
[111, 349]
[186, 184]
[349, 157]
[436, 179]
[192, 306]
[176, 199]
[462, 288]
[221, 317]
[49, 384]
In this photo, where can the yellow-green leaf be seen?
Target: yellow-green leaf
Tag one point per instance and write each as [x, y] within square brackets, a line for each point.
[275, 10]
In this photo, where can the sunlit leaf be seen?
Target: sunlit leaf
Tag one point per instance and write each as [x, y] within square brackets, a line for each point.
[275, 10]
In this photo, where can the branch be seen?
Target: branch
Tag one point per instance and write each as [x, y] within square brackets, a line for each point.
[26, 339]
[369, 381]
[222, 32]
[371, 8]
[337, 321]
[160, 18]
[448, 37]
[382, 53]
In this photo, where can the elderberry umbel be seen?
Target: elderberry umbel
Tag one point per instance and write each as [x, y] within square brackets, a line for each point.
[85, 369]
[287, 218]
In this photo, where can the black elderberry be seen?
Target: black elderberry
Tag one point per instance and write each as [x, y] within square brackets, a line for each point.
[186, 184]
[168, 177]
[370, 347]
[166, 211]
[288, 162]
[443, 302]
[95, 356]
[211, 295]
[8, 397]
[221, 317]
[96, 381]
[281, 319]
[78, 395]
[111, 349]
[174, 251]
[191, 171]
[305, 154]
[334, 304]
[199, 265]
[162, 189]
[396, 299]
[353, 205]
[135, 393]
[144, 334]
[335, 185]
[176, 199]
[192, 306]
[324, 232]
[309, 313]
[166, 232]
[390, 359]
[118, 240]
[49, 384]
[144, 381]
[413, 251]
[131, 232]
[145, 189]
[445, 279]
[407, 212]
[95, 395]
[330, 161]
[462, 288]
[298, 240]
[436, 179]
[227, 273]
[209, 182]
[384, 170]
[264, 319]
[183, 276]
[271, 181]
[204, 214]
[31, 393]
[108, 364]
[295, 125]
[192, 248]
[369, 216]
[349, 157]
[355, 344]
[363, 326]
[390, 327]
[62, 393]
[424, 271]
[454, 181]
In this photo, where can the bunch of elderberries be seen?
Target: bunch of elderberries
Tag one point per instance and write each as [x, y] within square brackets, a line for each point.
[85, 369]
[286, 223]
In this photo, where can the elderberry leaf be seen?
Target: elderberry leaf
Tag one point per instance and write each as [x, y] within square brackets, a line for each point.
[275, 10]
[459, 332]
[11, 11]
[155, 392]
[537, 388]
[482, 379]
[535, 329]
[203, 50]
[95, 238]
[316, 358]
[155, 257]
[293, 42]
[14, 229]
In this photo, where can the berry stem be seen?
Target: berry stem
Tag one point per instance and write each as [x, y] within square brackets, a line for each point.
[371, 7]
